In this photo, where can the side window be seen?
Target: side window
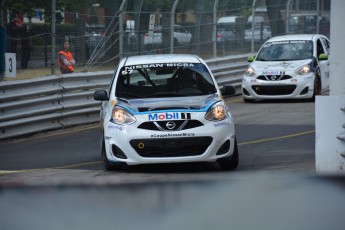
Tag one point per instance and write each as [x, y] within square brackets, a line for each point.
[178, 29]
[319, 48]
[326, 45]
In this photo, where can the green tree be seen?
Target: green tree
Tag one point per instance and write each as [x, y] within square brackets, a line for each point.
[28, 7]
[275, 17]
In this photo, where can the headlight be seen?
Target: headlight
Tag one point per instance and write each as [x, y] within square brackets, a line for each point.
[217, 112]
[303, 70]
[121, 116]
[250, 71]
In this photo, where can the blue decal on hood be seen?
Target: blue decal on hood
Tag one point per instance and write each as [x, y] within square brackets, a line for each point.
[172, 105]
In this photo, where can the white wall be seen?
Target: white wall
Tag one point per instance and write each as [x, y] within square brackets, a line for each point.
[329, 117]
[337, 59]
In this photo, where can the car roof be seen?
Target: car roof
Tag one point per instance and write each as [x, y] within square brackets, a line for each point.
[309, 37]
[162, 58]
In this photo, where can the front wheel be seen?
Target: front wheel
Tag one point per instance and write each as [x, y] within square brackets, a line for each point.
[248, 100]
[317, 87]
[230, 163]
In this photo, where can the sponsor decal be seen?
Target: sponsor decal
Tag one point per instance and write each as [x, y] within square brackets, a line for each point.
[221, 123]
[272, 72]
[295, 42]
[107, 138]
[116, 127]
[172, 135]
[285, 42]
[185, 116]
[308, 78]
[169, 116]
[163, 116]
[294, 80]
[279, 65]
[129, 69]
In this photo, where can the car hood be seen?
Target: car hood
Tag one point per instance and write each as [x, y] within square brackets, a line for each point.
[182, 103]
[278, 65]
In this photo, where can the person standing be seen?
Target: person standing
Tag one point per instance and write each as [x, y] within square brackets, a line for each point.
[65, 59]
[25, 47]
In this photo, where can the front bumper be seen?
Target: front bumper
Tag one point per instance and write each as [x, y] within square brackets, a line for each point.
[299, 87]
[133, 145]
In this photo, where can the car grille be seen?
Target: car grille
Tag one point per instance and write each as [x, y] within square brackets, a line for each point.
[274, 89]
[171, 147]
[171, 125]
[274, 77]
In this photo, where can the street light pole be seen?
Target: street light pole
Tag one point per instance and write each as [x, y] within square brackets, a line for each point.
[253, 26]
[287, 16]
[214, 39]
[53, 36]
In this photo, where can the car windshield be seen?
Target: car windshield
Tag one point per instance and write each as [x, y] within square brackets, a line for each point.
[286, 51]
[164, 80]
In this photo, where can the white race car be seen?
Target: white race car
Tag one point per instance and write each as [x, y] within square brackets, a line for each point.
[166, 109]
[288, 67]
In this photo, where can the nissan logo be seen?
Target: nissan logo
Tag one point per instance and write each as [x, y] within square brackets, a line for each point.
[170, 125]
[273, 77]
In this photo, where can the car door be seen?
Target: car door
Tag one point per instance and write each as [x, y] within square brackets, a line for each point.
[323, 64]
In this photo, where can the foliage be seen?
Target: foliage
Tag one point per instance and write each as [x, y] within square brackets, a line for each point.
[22, 6]
[28, 7]
[155, 5]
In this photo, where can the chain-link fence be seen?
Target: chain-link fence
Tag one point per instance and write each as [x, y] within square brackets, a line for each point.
[101, 34]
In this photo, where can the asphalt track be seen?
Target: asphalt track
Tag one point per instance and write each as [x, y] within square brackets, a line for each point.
[271, 135]
[57, 179]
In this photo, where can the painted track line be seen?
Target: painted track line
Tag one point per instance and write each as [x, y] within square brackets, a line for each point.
[277, 138]
[99, 162]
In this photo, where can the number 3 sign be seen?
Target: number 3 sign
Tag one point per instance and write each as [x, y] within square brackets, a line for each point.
[10, 65]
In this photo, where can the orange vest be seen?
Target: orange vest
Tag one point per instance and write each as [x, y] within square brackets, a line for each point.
[69, 57]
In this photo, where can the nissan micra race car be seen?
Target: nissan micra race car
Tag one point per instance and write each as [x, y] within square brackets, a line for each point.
[166, 109]
[288, 67]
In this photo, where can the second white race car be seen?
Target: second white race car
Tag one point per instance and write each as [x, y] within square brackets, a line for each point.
[288, 67]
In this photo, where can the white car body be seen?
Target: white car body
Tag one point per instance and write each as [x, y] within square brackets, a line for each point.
[154, 39]
[282, 77]
[171, 127]
[266, 34]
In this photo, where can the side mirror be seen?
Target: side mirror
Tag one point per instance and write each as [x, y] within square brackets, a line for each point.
[101, 95]
[323, 57]
[228, 90]
[251, 58]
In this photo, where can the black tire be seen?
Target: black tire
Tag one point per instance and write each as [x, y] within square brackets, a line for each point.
[248, 100]
[107, 165]
[317, 86]
[230, 163]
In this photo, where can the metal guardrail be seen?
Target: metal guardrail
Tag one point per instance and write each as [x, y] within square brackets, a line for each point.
[58, 101]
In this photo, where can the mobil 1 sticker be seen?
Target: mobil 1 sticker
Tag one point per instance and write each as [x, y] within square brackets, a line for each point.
[169, 116]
